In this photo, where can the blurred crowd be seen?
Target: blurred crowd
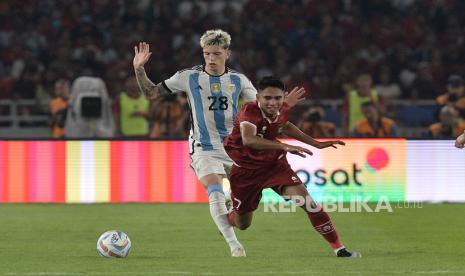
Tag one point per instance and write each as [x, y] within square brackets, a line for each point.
[366, 52]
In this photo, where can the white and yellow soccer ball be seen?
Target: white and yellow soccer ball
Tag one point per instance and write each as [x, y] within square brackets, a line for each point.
[114, 243]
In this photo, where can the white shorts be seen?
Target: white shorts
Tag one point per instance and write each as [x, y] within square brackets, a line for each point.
[211, 162]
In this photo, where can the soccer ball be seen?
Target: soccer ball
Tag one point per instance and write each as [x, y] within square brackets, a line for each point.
[114, 243]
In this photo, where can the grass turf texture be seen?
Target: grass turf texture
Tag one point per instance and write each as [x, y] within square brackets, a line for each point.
[181, 239]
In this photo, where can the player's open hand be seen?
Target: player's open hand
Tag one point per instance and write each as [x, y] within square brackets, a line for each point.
[141, 54]
[333, 144]
[300, 151]
[295, 96]
[460, 141]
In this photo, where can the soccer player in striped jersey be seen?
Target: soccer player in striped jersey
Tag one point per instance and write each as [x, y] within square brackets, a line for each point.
[213, 92]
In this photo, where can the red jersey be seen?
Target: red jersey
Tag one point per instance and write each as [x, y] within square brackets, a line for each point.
[249, 158]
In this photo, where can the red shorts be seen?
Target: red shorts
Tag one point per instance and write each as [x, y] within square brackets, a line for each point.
[247, 185]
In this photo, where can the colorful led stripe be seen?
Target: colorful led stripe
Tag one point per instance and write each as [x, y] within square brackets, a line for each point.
[17, 175]
[97, 171]
[158, 171]
[3, 162]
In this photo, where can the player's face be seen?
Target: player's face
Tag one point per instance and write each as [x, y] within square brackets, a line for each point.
[364, 83]
[271, 99]
[62, 90]
[215, 59]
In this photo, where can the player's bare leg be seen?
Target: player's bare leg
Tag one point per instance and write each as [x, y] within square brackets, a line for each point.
[219, 212]
[319, 219]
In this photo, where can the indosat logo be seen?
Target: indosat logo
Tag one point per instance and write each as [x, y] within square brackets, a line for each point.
[376, 160]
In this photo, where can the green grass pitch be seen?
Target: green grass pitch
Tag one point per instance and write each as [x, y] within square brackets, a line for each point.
[181, 239]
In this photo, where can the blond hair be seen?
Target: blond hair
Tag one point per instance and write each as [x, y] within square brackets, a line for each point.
[215, 37]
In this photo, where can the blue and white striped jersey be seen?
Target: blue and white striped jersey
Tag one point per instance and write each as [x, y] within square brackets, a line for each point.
[213, 101]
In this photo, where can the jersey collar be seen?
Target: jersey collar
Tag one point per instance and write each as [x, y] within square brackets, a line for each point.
[225, 71]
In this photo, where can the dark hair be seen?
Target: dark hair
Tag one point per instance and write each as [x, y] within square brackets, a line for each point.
[270, 81]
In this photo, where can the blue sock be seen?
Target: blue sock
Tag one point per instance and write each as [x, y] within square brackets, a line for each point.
[214, 188]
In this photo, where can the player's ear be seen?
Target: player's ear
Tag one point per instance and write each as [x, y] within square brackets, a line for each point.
[228, 54]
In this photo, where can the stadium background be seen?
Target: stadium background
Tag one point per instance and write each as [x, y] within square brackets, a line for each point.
[410, 48]
[321, 45]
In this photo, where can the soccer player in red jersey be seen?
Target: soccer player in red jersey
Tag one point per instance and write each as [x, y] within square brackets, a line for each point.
[260, 160]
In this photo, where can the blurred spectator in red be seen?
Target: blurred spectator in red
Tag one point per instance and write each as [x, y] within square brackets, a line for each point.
[58, 108]
[131, 111]
[423, 85]
[312, 123]
[374, 125]
[6, 87]
[450, 124]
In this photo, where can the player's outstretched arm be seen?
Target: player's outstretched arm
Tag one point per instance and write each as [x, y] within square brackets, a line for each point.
[292, 131]
[300, 151]
[141, 57]
[251, 140]
[460, 141]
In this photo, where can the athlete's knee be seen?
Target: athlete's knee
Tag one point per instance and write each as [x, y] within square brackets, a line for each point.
[211, 179]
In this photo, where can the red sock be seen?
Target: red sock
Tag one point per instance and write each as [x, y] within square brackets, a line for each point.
[232, 218]
[322, 223]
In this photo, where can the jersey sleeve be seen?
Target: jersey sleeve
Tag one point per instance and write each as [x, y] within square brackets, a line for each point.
[177, 83]
[248, 90]
[250, 113]
[285, 112]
